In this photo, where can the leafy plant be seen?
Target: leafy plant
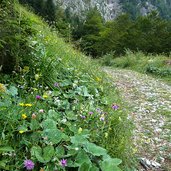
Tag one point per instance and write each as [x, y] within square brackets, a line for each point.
[47, 137]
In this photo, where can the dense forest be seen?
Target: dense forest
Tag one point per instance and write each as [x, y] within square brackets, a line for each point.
[95, 36]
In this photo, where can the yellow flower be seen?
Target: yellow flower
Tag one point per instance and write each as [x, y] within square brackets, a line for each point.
[24, 116]
[98, 79]
[2, 88]
[25, 104]
[25, 69]
[21, 104]
[28, 105]
[45, 96]
[21, 131]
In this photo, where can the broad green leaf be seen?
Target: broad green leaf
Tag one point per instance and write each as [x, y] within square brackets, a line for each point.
[82, 90]
[34, 125]
[54, 135]
[65, 105]
[72, 127]
[5, 103]
[94, 168]
[44, 156]
[13, 91]
[79, 139]
[48, 153]
[65, 83]
[111, 164]
[54, 115]
[37, 152]
[6, 149]
[110, 168]
[94, 149]
[84, 167]
[85, 91]
[59, 151]
[49, 124]
[71, 115]
[81, 158]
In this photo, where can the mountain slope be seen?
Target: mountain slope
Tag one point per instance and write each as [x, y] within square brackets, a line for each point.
[56, 104]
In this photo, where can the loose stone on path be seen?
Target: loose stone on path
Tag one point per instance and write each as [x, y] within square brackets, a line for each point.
[150, 101]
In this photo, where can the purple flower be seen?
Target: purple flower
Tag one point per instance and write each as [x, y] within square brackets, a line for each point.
[90, 113]
[38, 97]
[83, 117]
[115, 107]
[56, 85]
[28, 164]
[102, 118]
[63, 162]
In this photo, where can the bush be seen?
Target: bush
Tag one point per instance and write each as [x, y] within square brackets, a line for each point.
[15, 32]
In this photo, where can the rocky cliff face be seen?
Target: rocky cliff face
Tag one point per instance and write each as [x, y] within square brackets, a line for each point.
[111, 8]
[108, 8]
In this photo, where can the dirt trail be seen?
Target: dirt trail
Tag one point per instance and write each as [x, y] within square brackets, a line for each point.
[150, 102]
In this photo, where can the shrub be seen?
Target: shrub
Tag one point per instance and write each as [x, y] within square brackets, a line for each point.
[15, 32]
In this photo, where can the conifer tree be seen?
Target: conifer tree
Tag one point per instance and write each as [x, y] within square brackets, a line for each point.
[50, 11]
[91, 31]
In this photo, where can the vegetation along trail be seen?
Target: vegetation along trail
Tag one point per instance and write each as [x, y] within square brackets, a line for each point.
[150, 102]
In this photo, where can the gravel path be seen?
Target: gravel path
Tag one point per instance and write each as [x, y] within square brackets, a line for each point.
[150, 102]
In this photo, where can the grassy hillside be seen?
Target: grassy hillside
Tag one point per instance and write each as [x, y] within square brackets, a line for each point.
[58, 110]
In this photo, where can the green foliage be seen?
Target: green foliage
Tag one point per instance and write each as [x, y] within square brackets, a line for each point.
[50, 11]
[50, 140]
[158, 66]
[149, 28]
[70, 115]
[91, 32]
[98, 38]
[15, 32]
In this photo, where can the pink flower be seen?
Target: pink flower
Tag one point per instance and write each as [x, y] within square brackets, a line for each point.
[63, 162]
[28, 164]
[38, 97]
[90, 113]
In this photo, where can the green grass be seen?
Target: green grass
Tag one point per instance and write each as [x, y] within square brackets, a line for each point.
[83, 88]
[157, 66]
